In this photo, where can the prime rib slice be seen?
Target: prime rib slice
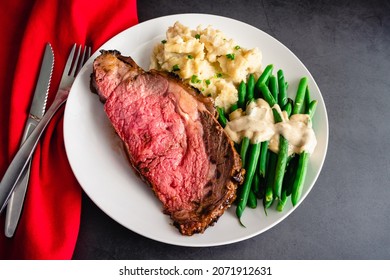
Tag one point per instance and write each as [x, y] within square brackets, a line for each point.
[172, 138]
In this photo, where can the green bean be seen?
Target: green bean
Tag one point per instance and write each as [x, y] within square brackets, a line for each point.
[250, 89]
[233, 107]
[303, 95]
[312, 108]
[281, 161]
[303, 158]
[289, 177]
[252, 200]
[256, 182]
[258, 185]
[241, 95]
[288, 181]
[245, 189]
[269, 195]
[307, 99]
[302, 164]
[282, 201]
[267, 95]
[221, 116]
[280, 166]
[265, 75]
[277, 116]
[282, 89]
[263, 159]
[300, 97]
[261, 193]
[243, 150]
[300, 177]
[288, 109]
[263, 79]
[273, 86]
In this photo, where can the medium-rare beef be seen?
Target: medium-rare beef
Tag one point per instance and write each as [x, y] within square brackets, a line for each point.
[172, 138]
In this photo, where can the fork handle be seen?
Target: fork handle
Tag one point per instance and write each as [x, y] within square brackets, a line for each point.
[24, 154]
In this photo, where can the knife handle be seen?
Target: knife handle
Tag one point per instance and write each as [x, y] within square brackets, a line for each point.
[15, 203]
[22, 157]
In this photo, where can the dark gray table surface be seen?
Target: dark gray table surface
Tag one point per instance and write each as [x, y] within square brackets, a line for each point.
[346, 47]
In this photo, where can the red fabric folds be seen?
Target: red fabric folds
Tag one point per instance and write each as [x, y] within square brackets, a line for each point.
[50, 221]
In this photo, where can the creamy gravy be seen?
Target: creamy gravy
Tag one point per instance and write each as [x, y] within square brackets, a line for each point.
[257, 123]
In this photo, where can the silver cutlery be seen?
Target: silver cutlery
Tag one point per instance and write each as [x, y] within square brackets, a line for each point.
[19, 162]
[37, 109]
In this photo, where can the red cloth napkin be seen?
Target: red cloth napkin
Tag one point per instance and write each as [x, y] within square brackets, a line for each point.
[50, 221]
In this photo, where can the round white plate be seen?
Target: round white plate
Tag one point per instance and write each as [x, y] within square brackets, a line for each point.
[99, 163]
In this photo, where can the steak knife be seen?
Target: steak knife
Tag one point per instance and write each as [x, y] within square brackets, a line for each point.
[37, 110]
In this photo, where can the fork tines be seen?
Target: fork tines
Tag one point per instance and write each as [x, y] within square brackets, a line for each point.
[76, 64]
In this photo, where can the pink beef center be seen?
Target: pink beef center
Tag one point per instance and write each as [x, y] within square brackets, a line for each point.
[165, 144]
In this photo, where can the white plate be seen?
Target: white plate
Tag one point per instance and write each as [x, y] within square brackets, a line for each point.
[100, 165]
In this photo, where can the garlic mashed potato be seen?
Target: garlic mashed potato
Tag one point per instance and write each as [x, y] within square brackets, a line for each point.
[207, 60]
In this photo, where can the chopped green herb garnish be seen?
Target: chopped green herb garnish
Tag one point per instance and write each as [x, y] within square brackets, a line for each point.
[219, 75]
[197, 36]
[207, 82]
[195, 80]
[230, 56]
[237, 47]
[190, 56]
[175, 67]
[163, 41]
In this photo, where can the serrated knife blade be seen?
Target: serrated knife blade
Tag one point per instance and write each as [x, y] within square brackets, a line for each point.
[37, 110]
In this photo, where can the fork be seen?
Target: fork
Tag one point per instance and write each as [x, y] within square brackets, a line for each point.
[19, 162]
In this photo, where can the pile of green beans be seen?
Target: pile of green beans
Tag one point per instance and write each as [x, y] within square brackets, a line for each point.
[269, 176]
